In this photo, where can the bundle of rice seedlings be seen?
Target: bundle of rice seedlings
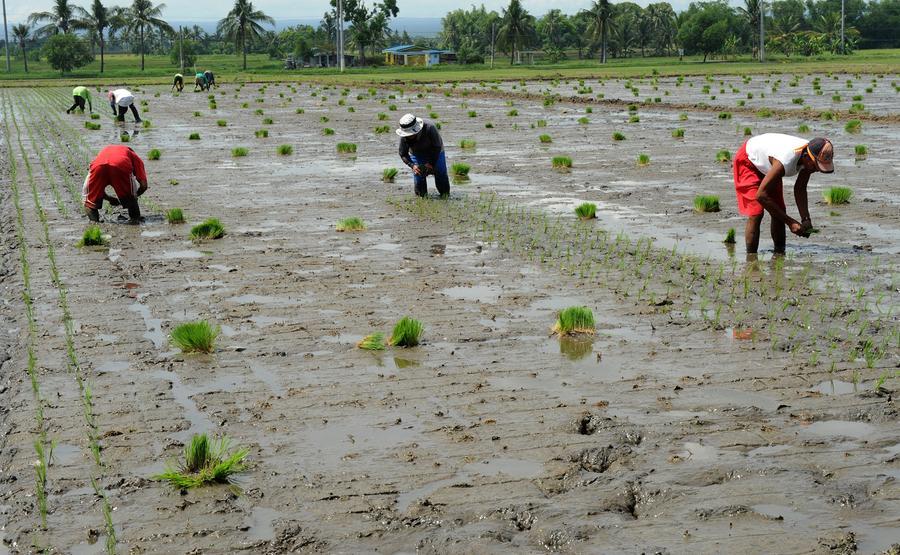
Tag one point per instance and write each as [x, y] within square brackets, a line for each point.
[194, 136]
[460, 169]
[678, 133]
[583, 120]
[643, 159]
[634, 119]
[853, 126]
[562, 162]
[803, 128]
[388, 175]
[837, 195]
[467, 143]
[748, 132]
[723, 156]
[351, 224]
[146, 124]
[382, 116]
[488, 125]
[154, 154]
[175, 216]
[574, 320]
[261, 133]
[372, 342]
[861, 151]
[764, 113]
[285, 150]
[97, 116]
[542, 123]
[618, 136]
[407, 333]
[239, 151]
[381, 129]
[221, 123]
[195, 337]
[92, 237]
[328, 131]
[125, 137]
[197, 114]
[206, 461]
[209, 229]
[545, 139]
[300, 111]
[682, 117]
[259, 112]
[473, 114]
[267, 121]
[729, 237]
[586, 211]
[724, 115]
[706, 203]
[346, 148]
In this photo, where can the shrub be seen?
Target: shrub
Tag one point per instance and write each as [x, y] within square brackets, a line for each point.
[194, 136]
[239, 151]
[706, 203]
[861, 151]
[388, 175]
[729, 237]
[92, 237]
[723, 156]
[853, 126]
[351, 224]
[154, 154]
[586, 211]
[261, 133]
[328, 131]
[195, 337]
[206, 461]
[221, 123]
[617, 136]
[175, 216]
[643, 159]
[407, 333]
[460, 169]
[562, 162]
[574, 320]
[678, 133]
[209, 229]
[346, 148]
[545, 139]
[372, 342]
[285, 150]
[837, 195]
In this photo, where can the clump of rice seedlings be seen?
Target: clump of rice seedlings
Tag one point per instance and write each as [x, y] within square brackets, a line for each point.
[724, 115]
[146, 124]
[175, 216]
[154, 154]
[372, 342]
[388, 175]
[261, 133]
[545, 139]
[197, 114]
[380, 129]
[209, 229]
[328, 131]
[350, 224]
[245, 105]
[634, 119]
[748, 132]
[195, 337]
[285, 150]
[268, 121]
[488, 125]
[221, 123]
[433, 115]
[562, 162]
[324, 119]
[837, 195]
[92, 237]
[575, 320]
[407, 333]
[678, 133]
[617, 136]
[194, 136]
[382, 116]
[861, 151]
[723, 156]
[682, 117]
[206, 461]
[473, 114]
[97, 116]
[173, 182]
[541, 123]
[853, 126]
[300, 111]
[392, 108]
[706, 203]
[589, 110]
[512, 113]
[259, 112]
[828, 115]
[643, 159]
[346, 148]
[467, 143]
[239, 151]
[729, 237]
[803, 128]
[586, 211]
[797, 100]
[460, 170]
[764, 113]
[583, 121]
[125, 137]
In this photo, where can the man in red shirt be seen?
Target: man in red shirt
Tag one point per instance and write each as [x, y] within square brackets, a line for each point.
[121, 168]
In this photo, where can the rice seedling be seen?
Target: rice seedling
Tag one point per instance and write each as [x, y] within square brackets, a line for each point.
[583, 121]
[175, 216]
[797, 100]
[268, 121]
[146, 124]
[574, 320]
[221, 123]
[285, 150]
[678, 133]
[209, 229]
[541, 123]
[154, 154]
[258, 111]
[261, 133]
[372, 342]
[724, 115]
[195, 337]
[545, 139]
[92, 237]
[803, 128]
[748, 132]
[460, 170]
[634, 119]
[617, 136]
[392, 108]
[562, 162]
[407, 333]
[173, 182]
[197, 114]
[643, 159]
[723, 156]
[473, 114]
[857, 98]
[389, 174]
[239, 151]
[588, 110]
[586, 211]
[245, 105]
[125, 138]
[194, 136]
[764, 113]
[828, 115]
[682, 117]
[328, 131]
[346, 148]
[381, 129]
[382, 116]
[206, 461]
[837, 195]
[861, 151]
[350, 224]
[706, 203]
[467, 143]
[97, 116]
[729, 237]
[853, 126]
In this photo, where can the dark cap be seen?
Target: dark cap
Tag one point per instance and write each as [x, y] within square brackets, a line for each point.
[822, 152]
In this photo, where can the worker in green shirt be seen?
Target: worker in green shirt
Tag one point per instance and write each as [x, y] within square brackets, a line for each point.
[200, 81]
[81, 95]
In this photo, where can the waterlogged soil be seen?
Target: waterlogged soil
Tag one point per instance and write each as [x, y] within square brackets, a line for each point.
[659, 434]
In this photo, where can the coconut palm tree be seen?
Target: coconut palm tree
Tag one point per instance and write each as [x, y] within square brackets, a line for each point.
[601, 14]
[96, 22]
[21, 33]
[751, 12]
[143, 17]
[516, 28]
[60, 18]
[243, 25]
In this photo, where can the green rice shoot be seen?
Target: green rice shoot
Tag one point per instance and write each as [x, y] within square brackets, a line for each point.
[545, 139]
[861, 151]
[460, 169]
[206, 461]
[586, 211]
[643, 159]
[853, 126]
[195, 337]
[351, 224]
[467, 143]
[723, 156]
[221, 123]
[92, 237]
[837, 195]
[729, 237]
[407, 333]
[388, 174]
[175, 216]
[678, 133]
[346, 148]
[194, 137]
[706, 203]
[562, 162]
[261, 133]
[372, 342]
[154, 154]
[575, 320]
[618, 136]
[239, 151]
[209, 229]
[284, 150]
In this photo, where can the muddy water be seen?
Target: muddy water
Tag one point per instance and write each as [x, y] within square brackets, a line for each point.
[657, 434]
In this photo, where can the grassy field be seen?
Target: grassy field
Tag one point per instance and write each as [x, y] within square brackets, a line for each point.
[125, 68]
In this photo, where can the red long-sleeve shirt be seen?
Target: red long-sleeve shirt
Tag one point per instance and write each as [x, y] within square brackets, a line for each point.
[114, 166]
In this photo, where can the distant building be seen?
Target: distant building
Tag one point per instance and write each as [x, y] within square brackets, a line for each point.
[414, 55]
[317, 58]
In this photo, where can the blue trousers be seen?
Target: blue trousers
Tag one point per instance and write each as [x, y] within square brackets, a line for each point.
[441, 180]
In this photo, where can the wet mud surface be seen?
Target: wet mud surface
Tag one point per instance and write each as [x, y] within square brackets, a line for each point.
[662, 434]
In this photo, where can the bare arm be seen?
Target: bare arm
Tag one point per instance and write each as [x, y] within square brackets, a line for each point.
[763, 197]
[801, 197]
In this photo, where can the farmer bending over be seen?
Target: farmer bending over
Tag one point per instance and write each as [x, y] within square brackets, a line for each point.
[120, 100]
[210, 79]
[759, 166]
[120, 167]
[426, 156]
[200, 82]
[178, 83]
[80, 96]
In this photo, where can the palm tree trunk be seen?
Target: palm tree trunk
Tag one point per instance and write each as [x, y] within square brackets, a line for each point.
[102, 45]
[142, 48]
[603, 45]
[25, 56]
[244, 45]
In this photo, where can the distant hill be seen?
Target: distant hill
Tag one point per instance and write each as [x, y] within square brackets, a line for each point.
[415, 26]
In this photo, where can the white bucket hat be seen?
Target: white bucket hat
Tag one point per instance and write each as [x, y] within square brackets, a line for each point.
[409, 125]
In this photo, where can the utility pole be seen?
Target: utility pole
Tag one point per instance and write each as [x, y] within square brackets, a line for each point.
[493, 24]
[843, 50]
[340, 21]
[181, 47]
[762, 30]
[6, 36]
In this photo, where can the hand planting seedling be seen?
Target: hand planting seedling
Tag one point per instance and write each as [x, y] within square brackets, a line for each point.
[350, 224]
[575, 320]
[206, 461]
[467, 143]
[586, 211]
[389, 174]
[92, 237]
[407, 333]
[346, 148]
[723, 156]
[239, 151]
[209, 229]
[195, 337]
[175, 216]
[837, 195]
[545, 139]
[285, 150]
[706, 203]
[372, 342]
[562, 162]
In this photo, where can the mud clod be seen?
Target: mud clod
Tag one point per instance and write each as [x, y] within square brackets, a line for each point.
[839, 544]
[599, 459]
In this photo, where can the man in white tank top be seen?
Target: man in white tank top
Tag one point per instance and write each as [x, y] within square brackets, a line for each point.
[759, 166]
[120, 100]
